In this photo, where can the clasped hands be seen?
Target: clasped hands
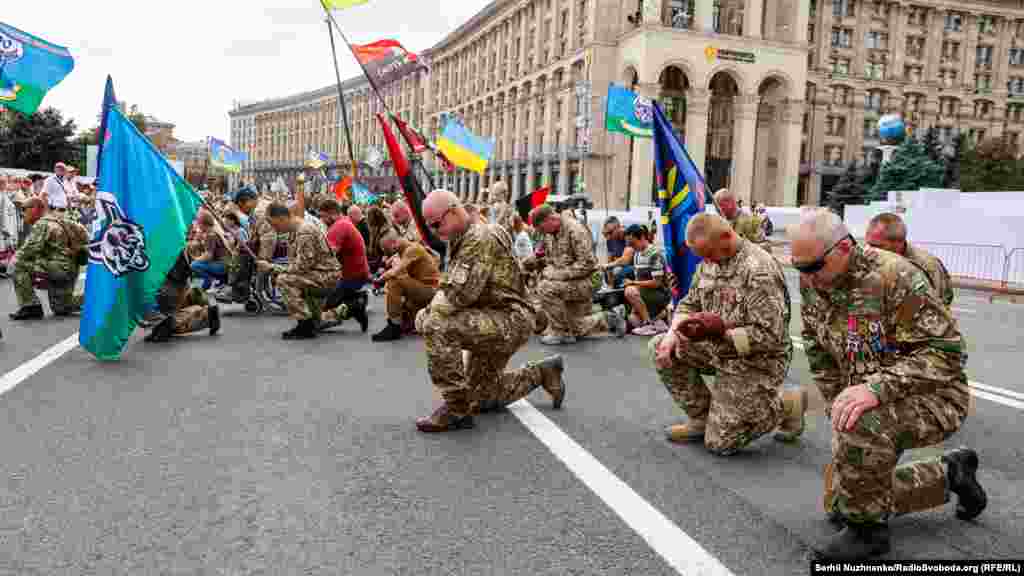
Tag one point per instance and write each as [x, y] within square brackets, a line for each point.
[693, 328]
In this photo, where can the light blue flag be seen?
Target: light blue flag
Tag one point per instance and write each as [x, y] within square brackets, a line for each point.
[29, 68]
[143, 214]
[629, 113]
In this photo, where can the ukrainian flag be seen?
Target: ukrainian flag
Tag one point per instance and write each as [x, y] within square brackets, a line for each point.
[463, 148]
[680, 195]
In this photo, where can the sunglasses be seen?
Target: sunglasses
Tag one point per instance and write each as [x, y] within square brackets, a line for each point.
[436, 224]
[817, 265]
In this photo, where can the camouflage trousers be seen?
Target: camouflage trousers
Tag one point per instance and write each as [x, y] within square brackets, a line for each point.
[60, 279]
[189, 307]
[569, 307]
[304, 295]
[867, 485]
[740, 407]
[405, 295]
[491, 337]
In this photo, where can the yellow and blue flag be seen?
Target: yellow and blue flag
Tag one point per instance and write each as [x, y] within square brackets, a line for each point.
[680, 195]
[29, 68]
[342, 4]
[225, 157]
[463, 148]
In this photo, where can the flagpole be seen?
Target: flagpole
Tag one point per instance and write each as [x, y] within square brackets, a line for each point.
[414, 157]
[341, 95]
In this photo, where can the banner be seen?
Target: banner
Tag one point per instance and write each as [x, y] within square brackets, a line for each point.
[629, 113]
[386, 61]
[29, 68]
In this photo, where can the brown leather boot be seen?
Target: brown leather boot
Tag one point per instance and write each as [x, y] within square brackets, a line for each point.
[794, 406]
[551, 370]
[692, 430]
[442, 420]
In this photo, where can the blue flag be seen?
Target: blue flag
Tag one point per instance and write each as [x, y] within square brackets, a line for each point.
[109, 101]
[143, 210]
[29, 68]
[680, 195]
[628, 112]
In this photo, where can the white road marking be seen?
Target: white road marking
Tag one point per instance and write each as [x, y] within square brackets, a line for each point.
[21, 373]
[964, 310]
[677, 548]
[991, 393]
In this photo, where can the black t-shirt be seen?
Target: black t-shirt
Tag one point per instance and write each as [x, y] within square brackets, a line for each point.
[615, 247]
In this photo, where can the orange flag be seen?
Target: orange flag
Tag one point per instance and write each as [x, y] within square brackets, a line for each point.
[343, 189]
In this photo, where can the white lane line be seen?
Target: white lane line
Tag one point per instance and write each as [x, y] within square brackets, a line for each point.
[677, 548]
[991, 393]
[19, 374]
[964, 310]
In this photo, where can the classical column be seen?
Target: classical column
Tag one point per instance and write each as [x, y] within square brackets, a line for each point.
[791, 127]
[933, 43]
[705, 20]
[754, 13]
[969, 65]
[1001, 56]
[549, 133]
[825, 27]
[566, 142]
[643, 158]
[697, 105]
[531, 144]
[897, 40]
[744, 132]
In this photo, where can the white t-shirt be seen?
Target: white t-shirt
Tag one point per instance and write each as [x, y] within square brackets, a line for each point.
[56, 192]
[524, 246]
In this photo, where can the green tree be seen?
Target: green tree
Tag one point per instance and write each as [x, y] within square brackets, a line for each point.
[991, 165]
[852, 188]
[910, 168]
[39, 141]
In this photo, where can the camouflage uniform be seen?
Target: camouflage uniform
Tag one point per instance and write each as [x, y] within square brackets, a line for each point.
[312, 266]
[50, 251]
[748, 226]
[565, 291]
[750, 364]
[935, 270]
[409, 231]
[885, 327]
[481, 307]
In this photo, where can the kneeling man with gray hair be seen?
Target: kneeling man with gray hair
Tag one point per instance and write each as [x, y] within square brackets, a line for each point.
[732, 324]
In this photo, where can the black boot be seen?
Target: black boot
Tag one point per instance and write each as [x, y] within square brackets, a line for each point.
[162, 332]
[855, 542]
[962, 480]
[304, 330]
[390, 333]
[213, 313]
[30, 312]
[359, 313]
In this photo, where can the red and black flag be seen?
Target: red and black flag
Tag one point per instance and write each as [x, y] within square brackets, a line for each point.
[415, 139]
[410, 185]
[527, 203]
[386, 61]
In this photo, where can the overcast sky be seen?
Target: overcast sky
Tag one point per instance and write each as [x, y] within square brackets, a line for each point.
[186, 61]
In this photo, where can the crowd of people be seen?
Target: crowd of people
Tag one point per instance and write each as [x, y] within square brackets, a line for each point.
[884, 349]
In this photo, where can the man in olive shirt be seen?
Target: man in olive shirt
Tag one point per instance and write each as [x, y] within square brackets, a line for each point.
[409, 286]
[888, 232]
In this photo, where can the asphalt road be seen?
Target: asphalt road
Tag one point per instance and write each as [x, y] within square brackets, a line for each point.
[244, 454]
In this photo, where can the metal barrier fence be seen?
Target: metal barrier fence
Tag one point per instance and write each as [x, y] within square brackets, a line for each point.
[983, 262]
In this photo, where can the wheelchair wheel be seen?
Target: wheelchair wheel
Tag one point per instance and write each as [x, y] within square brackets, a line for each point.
[253, 306]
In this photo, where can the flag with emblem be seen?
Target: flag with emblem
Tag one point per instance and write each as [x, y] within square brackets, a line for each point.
[680, 197]
[144, 210]
[29, 68]
[628, 113]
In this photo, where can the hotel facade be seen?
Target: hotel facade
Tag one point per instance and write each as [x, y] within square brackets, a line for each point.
[772, 97]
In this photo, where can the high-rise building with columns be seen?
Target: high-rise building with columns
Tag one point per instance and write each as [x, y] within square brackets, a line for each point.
[772, 97]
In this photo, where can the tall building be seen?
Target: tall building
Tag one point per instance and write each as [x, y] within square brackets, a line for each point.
[772, 97]
[533, 75]
[958, 67]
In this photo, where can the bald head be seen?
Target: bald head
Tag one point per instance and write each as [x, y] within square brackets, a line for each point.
[711, 237]
[725, 199]
[444, 214]
[400, 213]
[887, 231]
[821, 247]
[355, 214]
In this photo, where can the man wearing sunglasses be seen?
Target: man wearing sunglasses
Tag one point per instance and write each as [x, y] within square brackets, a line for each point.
[889, 361]
[481, 307]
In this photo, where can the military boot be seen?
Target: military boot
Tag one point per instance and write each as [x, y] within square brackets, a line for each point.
[551, 370]
[794, 407]
[692, 430]
[30, 312]
[162, 332]
[962, 480]
[442, 420]
[305, 330]
[389, 333]
[213, 314]
[831, 514]
[540, 322]
[855, 542]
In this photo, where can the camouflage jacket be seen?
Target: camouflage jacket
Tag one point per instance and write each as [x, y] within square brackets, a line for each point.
[483, 271]
[569, 254]
[749, 293]
[883, 326]
[54, 239]
[935, 270]
[749, 226]
[309, 253]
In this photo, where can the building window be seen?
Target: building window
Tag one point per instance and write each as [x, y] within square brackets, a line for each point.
[680, 13]
[842, 8]
[1016, 56]
[983, 82]
[982, 109]
[841, 66]
[835, 126]
[1015, 85]
[954, 22]
[983, 56]
[841, 37]
[912, 73]
[950, 51]
[876, 40]
[917, 16]
[841, 95]
[873, 100]
[986, 25]
[874, 71]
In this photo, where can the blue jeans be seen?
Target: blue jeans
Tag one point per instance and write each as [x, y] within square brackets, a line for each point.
[209, 271]
[345, 291]
[621, 274]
